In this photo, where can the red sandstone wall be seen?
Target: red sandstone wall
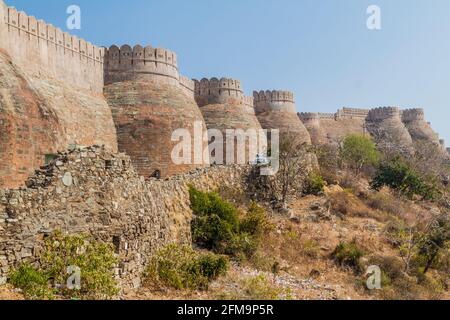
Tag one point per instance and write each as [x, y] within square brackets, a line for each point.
[145, 114]
[29, 128]
[42, 50]
[51, 95]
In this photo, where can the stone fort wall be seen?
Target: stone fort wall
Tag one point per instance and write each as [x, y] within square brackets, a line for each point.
[144, 64]
[274, 100]
[223, 91]
[42, 49]
[94, 192]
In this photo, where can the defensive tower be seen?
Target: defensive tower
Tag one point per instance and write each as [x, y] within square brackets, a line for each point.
[149, 101]
[276, 110]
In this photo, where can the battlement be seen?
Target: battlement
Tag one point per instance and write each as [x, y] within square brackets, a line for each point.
[139, 63]
[383, 113]
[215, 91]
[37, 46]
[352, 113]
[309, 116]
[273, 96]
[410, 115]
[274, 100]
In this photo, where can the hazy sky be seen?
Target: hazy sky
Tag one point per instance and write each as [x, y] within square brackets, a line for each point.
[320, 49]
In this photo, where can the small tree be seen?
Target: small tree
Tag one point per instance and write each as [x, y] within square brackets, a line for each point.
[295, 160]
[398, 175]
[435, 239]
[359, 151]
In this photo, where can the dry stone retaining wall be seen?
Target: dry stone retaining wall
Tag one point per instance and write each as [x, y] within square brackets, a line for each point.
[92, 191]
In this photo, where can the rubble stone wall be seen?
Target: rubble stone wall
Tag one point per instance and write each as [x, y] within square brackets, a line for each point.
[94, 192]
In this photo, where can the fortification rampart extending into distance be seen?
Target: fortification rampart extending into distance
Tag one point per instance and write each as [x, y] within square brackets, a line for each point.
[42, 49]
[215, 91]
[273, 100]
[62, 91]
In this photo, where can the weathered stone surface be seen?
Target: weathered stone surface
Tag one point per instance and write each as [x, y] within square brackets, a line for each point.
[39, 116]
[386, 126]
[107, 200]
[146, 114]
[277, 110]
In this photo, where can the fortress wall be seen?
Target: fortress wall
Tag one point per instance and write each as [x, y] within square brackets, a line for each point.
[329, 116]
[276, 109]
[311, 121]
[3, 21]
[383, 113]
[274, 100]
[351, 113]
[40, 50]
[386, 126]
[139, 63]
[410, 115]
[187, 85]
[102, 196]
[215, 91]
[419, 129]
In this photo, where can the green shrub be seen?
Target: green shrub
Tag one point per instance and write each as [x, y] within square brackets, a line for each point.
[359, 151]
[314, 185]
[349, 255]
[398, 175]
[255, 222]
[218, 227]
[260, 288]
[95, 260]
[181, 267]
[33, 283]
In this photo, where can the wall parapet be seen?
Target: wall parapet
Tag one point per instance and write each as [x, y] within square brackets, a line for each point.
[215, 91]
[187, 83]
[410, 115]
[351, 113]
[308, 116]
[37, 46]
[383, 113]
[274, 100]
[126, 63]
[273, 96]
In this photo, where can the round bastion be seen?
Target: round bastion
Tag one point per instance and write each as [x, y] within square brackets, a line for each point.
[276, 110]
[225, 107]
[386, 126]
[149, 101]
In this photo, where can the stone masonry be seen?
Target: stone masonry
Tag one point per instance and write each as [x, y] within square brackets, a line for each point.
[92, 191]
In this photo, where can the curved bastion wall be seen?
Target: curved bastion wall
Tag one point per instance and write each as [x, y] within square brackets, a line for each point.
[223, 91]
[332, 128]
[276, 110]
[418, 128]
[386, 127]
[51, 95]
[149, 102]
[311, 120]
[224, 107]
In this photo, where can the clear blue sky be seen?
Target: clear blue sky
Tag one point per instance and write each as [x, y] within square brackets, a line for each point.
[320, 49]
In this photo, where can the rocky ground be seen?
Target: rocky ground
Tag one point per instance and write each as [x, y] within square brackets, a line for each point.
[301, 244]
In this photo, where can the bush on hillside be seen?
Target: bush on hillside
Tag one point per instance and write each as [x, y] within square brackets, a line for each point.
[398, 175]
[181, 267]
[349, 255]
[358, 152]
[217, 225]
[95, 260]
